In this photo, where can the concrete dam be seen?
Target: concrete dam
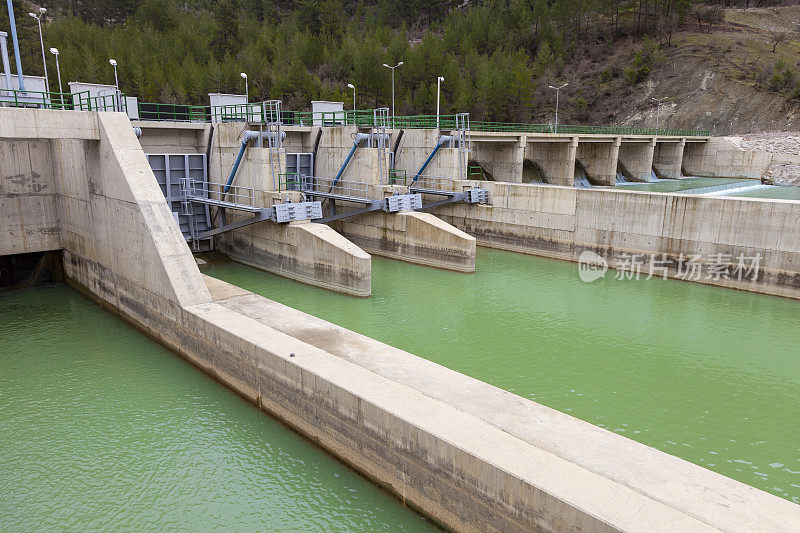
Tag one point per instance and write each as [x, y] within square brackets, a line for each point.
[386, 290]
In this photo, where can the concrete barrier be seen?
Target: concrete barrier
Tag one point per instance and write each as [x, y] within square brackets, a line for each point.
[562, 222]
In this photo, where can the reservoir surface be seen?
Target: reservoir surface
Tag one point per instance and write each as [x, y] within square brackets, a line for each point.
[103, 429]
[708, 374]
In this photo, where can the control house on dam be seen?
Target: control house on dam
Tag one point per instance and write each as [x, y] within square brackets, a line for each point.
[434, 323]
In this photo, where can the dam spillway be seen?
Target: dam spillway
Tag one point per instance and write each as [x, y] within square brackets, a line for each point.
[469, 455]
[648, 359]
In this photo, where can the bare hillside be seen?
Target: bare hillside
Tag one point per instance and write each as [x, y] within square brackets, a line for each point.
[742, 76]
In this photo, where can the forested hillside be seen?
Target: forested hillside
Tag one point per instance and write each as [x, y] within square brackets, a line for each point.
[497, 57]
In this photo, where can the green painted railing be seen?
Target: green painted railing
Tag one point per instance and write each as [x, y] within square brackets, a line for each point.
[289, 181]
[448, 122]
[258, 112]
[397, 176]
[82, 101]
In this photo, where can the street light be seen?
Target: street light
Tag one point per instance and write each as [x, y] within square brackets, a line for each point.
[392, 69]
[439, 81]
[246, 89]
[114, 64]
[54, 51]
[351, 86]
[42, 11]
[658, 102]
[557, 90]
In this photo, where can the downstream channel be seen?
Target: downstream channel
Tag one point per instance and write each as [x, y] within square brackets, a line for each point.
[102, 428]
[708, 374]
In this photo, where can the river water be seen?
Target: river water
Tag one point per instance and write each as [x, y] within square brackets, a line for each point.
[101, 428]
[708, 374]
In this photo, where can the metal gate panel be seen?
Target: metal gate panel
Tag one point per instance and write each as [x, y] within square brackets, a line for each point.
[300, 163]
[169, 169]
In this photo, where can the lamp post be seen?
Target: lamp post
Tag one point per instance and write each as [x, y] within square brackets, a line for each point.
[557, 90]
[117, 102]
[439, 81]
[38, 18]
[658, 102]
[392, 69]
[246, 89]
[54, 51]
[351, 86]
[113, 63]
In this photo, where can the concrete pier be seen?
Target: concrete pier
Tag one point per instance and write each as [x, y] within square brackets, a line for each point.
[555, 156]
[302, 251]
[468, 455]
[636, 157]
[420, 238]
[599, 158]
[668, 158]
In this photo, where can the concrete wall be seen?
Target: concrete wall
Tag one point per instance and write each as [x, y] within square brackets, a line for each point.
[28, 197]
[599, 158]
[471, 456]
[173, 138]
[637, 159]
[334, 146]
[529, 452]
[302, 251]
[562, 222]
[415, 147]
[720, 156]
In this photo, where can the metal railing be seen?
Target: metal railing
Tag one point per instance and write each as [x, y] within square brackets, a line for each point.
[433, 183]
[81, 101]
[259, 112]
[289, 181]
[364, 118]
[475, 172]
[344, 189]
[397, 176]
[209, 192]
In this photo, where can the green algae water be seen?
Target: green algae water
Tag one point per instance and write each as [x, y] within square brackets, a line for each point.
[103, 429]
[708, 374]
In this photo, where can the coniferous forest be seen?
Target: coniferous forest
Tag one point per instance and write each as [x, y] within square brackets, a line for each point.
[497, 57]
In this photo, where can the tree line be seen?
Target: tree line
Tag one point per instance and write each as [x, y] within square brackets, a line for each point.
[497, 56]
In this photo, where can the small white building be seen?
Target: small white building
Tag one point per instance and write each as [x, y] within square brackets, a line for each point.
[232, 108]
[35, 84]
[331, 112]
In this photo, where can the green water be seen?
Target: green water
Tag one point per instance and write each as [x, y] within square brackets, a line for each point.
[780, 193]
[708, 374]
[103, 429]
[685, 185]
